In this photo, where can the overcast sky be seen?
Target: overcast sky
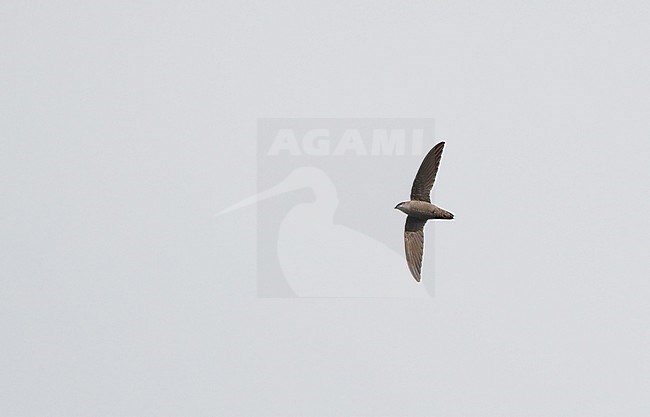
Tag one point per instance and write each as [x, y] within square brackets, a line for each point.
[126, 126]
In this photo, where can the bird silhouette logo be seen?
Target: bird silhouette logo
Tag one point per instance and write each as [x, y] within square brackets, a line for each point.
[321, 228]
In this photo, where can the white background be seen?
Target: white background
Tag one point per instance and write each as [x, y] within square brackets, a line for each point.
[125, 126]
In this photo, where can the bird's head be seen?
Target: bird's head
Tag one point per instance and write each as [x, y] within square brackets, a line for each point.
[401, 205]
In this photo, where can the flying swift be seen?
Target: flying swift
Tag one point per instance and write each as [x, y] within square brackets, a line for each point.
[419, 209]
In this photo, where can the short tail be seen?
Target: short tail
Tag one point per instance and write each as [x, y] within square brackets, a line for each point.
[447, 215]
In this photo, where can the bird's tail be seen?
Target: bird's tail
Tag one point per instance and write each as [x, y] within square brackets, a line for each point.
[439, 213]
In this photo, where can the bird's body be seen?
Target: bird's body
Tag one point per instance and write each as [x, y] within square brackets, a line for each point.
[424, 210]
[419, 209]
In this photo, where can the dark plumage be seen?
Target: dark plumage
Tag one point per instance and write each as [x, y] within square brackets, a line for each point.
[419, 209]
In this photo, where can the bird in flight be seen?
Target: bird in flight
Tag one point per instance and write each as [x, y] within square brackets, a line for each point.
[419, 209]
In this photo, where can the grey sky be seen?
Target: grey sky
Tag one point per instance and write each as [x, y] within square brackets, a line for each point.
[126, 126]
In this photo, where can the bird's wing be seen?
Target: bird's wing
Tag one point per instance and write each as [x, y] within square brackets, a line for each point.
[414, 244]
[427, 174]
